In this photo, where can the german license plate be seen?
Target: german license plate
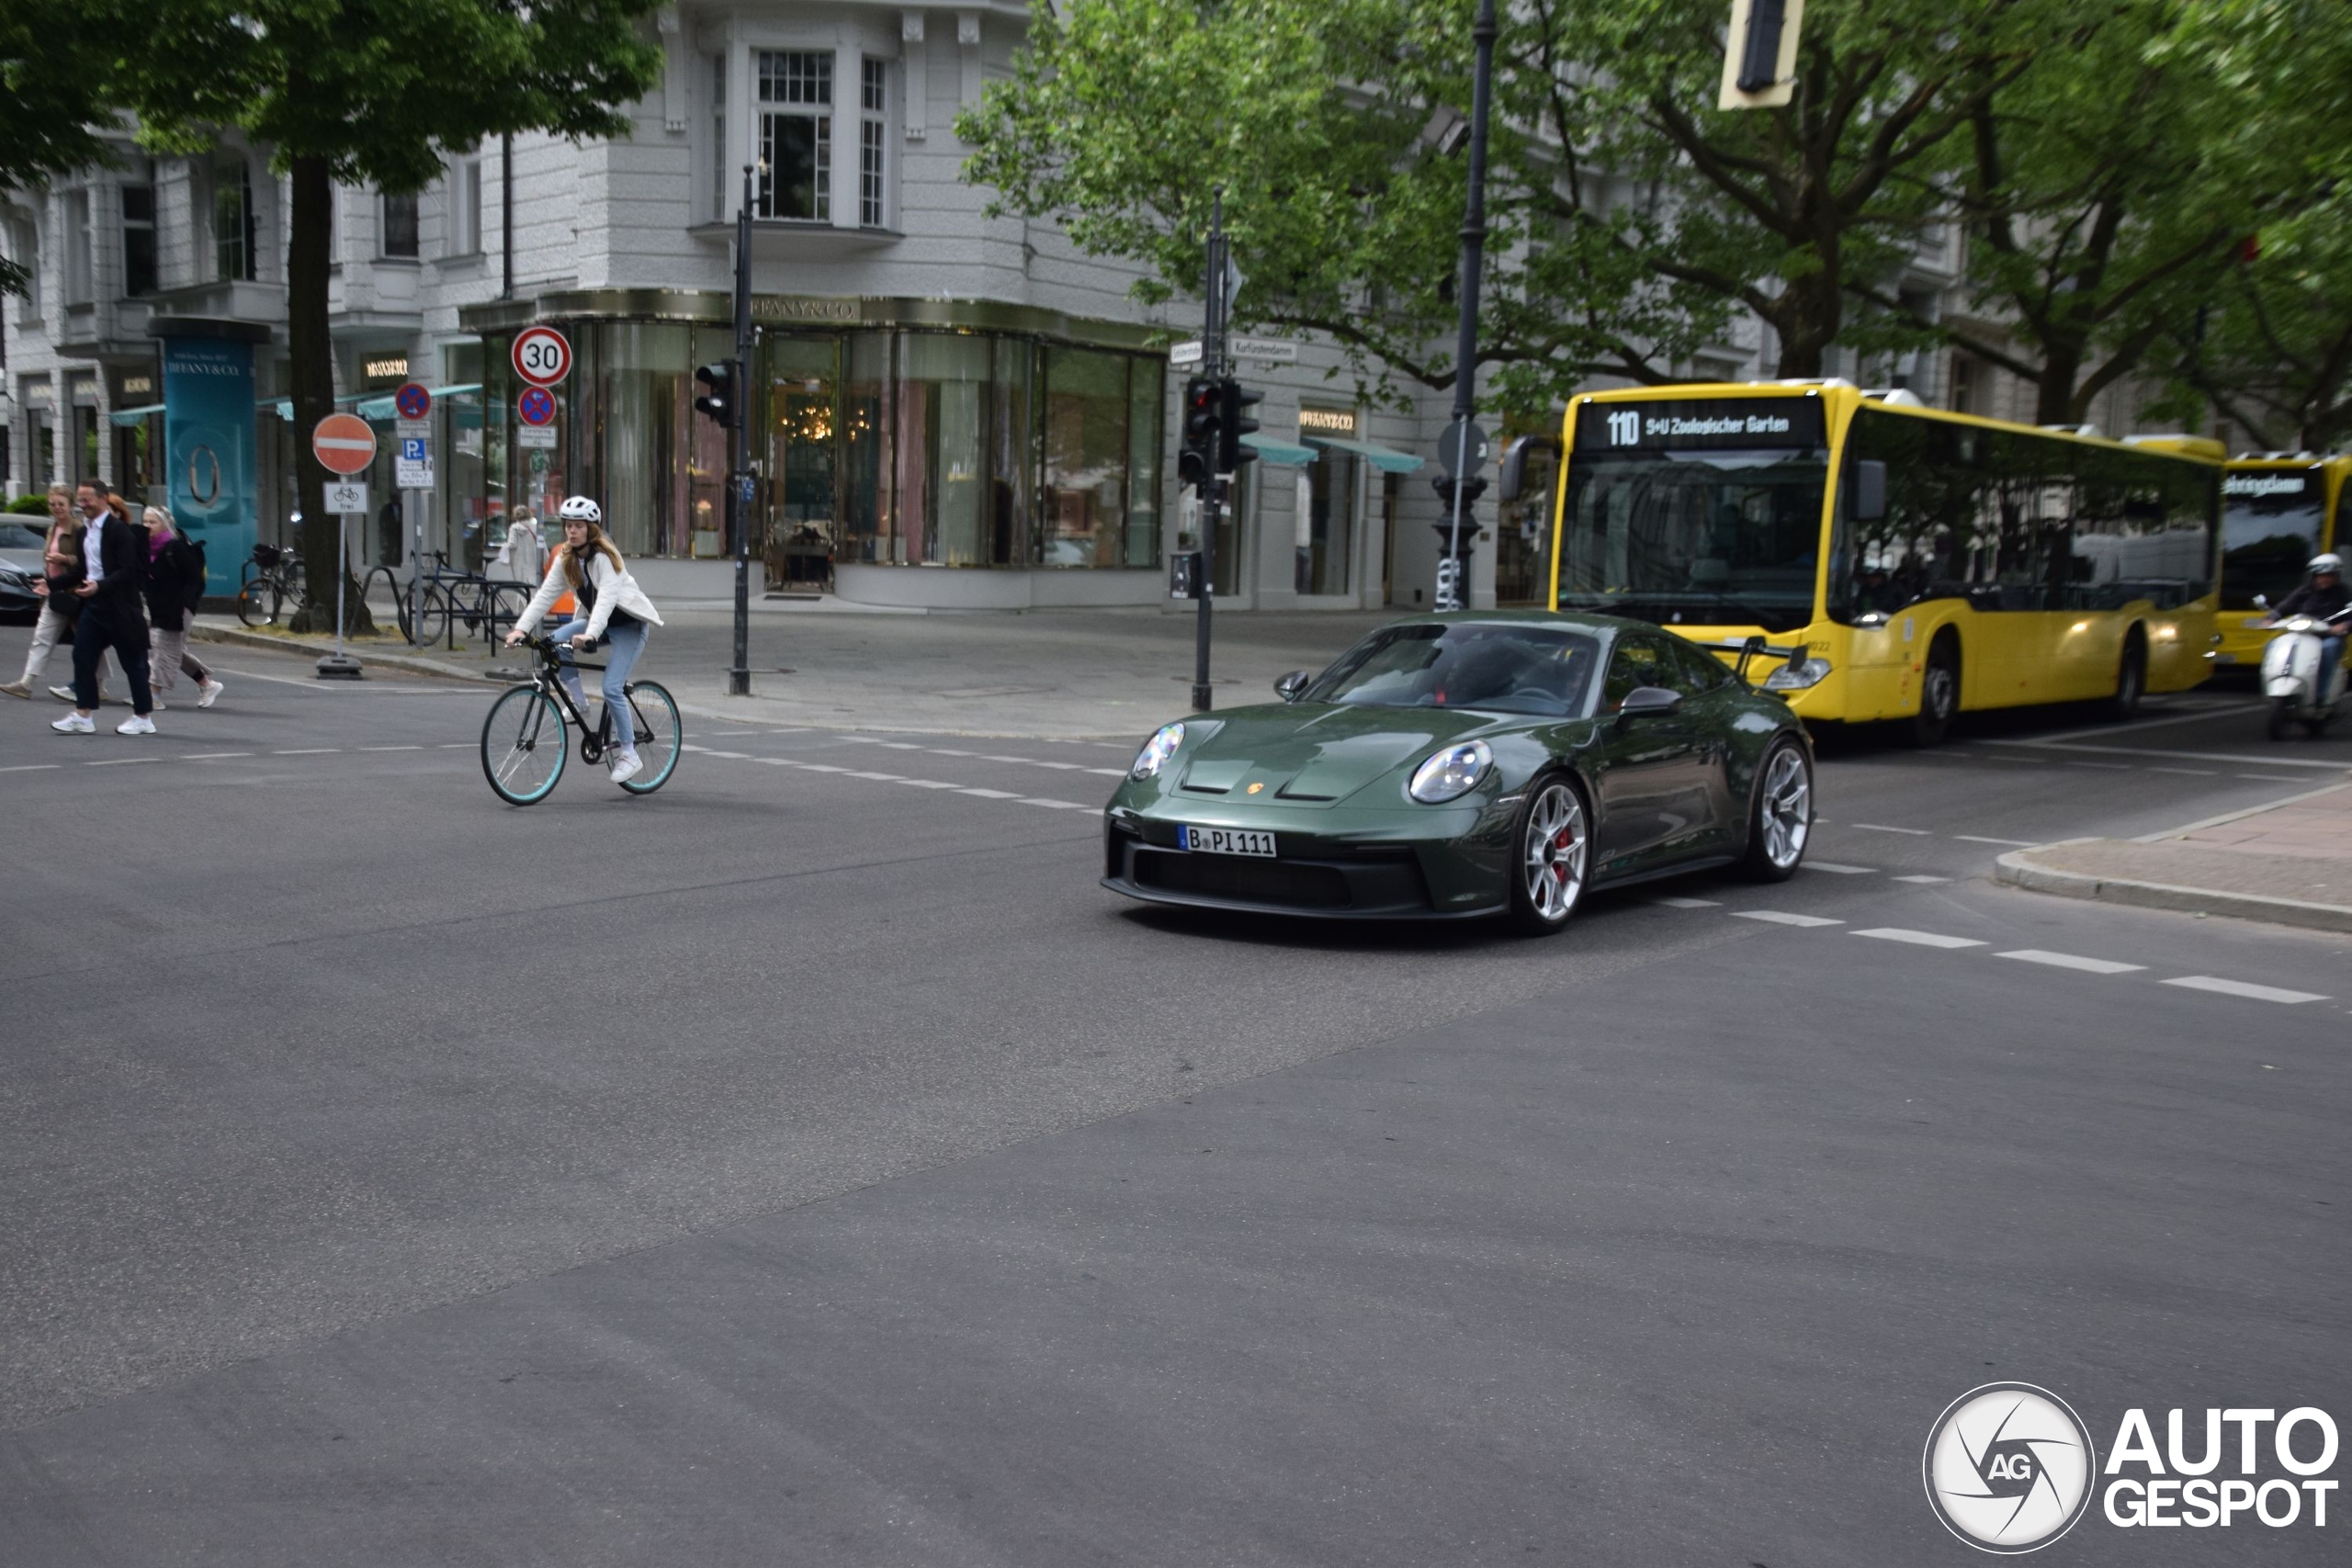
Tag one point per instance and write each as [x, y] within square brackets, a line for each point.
[1226, 841]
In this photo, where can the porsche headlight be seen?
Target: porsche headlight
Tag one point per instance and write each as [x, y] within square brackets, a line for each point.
[1157, 751]
[1797, 676]
[1451, 774]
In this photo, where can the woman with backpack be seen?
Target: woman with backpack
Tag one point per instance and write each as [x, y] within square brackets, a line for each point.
[614, 609]
[174, 587]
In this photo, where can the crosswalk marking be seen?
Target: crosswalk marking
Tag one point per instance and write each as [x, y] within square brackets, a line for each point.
[2071, 961]
[2241, 989]
[1918, 938]
[1779, 918]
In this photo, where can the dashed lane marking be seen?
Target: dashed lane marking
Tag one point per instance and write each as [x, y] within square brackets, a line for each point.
[2071, 961]
[213, 756]
[2110, 767]
[1922, 880]
[1882, 828]
[392, 747]
[1918, 938]
[123, 761]
[31, 767]
[930, 784]
[1833, 867]
[2011, 843]
[2241, 989]
[2274, 778]
[1779, 918]
[991, 793]
[309, 752]
[1689, 903]
[2189, 773]
[1055, 805]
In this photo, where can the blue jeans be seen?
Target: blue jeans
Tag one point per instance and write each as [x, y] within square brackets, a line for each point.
[623, 644]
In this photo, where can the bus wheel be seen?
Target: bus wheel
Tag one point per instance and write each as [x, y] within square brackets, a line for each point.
[2131, 680]
[1938, 691]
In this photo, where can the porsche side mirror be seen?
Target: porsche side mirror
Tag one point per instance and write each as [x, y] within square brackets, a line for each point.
[1291, 686]
[1649, 701]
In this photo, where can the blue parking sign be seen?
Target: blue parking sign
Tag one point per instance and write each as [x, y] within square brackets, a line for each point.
[412, 448]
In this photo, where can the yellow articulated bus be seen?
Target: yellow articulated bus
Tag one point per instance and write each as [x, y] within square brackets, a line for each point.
[1920, 563]
[2279, 509]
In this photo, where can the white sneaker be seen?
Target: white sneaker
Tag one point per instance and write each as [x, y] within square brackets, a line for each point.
[137, 724]
[210, 689]
[75, 724]
[627, 766]
[154, 704]
[63, 693]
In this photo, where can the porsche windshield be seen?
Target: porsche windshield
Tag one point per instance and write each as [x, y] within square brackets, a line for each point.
[1704, 537]
[1497, 669]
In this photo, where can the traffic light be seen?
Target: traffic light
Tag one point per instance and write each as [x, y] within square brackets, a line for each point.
[1203, 405]
[1233, 422]
[718, 398]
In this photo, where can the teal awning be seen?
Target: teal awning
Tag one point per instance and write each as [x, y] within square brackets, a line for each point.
[139, 415]
[381, 408]
[284, 406]
[1281, 452]
[1387, 459]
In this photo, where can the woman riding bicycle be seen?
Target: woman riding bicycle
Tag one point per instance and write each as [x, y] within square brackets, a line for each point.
[614, 608]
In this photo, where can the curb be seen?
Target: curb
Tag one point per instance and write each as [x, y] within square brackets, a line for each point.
[407, 663]
[2015, 870]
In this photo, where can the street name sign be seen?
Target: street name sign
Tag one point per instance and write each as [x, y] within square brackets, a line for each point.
[1268, 350]
[1184, 355]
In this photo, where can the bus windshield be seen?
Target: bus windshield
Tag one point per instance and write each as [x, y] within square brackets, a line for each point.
[2266, 540]
[1724, 536]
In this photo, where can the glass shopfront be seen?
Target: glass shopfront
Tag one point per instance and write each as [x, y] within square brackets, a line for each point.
[875, 446]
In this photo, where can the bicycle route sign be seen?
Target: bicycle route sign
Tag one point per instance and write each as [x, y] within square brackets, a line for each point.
[413, 402]
[542, 355]
[344, 444]
[350, 499]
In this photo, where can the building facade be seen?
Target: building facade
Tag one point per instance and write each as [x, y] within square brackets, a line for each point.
[947, 410]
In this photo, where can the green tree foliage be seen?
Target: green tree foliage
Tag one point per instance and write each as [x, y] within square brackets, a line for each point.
[58, 62]
[373, 92]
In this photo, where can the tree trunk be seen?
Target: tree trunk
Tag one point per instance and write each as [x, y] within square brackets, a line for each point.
[1807, 320]
[2062, 367]
[312, 352]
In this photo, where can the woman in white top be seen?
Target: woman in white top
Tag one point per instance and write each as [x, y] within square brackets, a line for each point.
[522, 553]
[612, 608]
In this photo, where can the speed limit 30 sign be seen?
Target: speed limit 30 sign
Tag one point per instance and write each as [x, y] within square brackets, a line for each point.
[542, 355]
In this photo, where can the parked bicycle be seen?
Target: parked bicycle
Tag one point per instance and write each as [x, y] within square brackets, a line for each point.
[523, 746]
[274, 586]
[447, 599]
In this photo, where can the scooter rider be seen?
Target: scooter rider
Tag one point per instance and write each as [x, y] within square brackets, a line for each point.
[2322, 598]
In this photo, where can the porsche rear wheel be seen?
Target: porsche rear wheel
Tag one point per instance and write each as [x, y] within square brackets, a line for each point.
[1554, 847]
[1782, 819]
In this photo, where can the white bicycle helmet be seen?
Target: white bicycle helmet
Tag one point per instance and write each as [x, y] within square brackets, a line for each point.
[2331, 561]
[579, 509]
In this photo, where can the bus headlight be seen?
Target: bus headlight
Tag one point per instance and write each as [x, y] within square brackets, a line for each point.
[1796, 677]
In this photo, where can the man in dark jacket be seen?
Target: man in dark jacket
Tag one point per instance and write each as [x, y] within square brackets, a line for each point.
[114, 555]
[2322, 598]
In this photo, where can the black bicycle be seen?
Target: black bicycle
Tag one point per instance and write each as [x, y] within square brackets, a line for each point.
[274, 586]
[449, 597]
[523, 747]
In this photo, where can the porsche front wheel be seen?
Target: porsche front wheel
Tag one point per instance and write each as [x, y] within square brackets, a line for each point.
[1782, 819]
[1554, 843]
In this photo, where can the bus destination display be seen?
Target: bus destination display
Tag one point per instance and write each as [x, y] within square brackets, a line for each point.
[1683, 425]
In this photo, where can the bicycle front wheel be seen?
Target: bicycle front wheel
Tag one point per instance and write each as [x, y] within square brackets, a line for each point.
[257, 602]
[654, 714]
[432, 617]
[523, 746]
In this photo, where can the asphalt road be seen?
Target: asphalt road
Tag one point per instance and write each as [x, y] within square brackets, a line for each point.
[809, 1164]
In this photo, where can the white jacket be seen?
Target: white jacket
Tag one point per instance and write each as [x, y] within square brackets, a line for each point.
[616, 589]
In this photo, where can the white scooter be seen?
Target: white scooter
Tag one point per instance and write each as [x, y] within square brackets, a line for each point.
[2293, 679]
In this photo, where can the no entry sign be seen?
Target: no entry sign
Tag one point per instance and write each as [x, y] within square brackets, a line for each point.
[542, 355]
[343, 442]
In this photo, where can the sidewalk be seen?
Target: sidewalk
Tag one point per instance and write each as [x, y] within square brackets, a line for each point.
[2289, 863]
[1044, 674]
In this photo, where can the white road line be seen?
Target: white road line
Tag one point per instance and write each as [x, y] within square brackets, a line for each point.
[2272, 778]
[2183, 715]
[458, 745]
[1776, 918]
[1882, 828]
[392, 747]
[1917, 939]
[32, 767]
[1833, 867]
[823, 768]
[991, 793]
[2110, 767]
[211, 756]
[2176, 756]
[2187, 772]
[1689, 903]
[951, 751]
[732, 756]
[929, 784]
[1980, 839]
[1110, 772]
[2069, 961]
[1056, 804]
[1922, 880]
[987, 758]
[123, 761]
[1065, 767]
[878, 778]
[2240, 988]
[901, 745]
[308, 751]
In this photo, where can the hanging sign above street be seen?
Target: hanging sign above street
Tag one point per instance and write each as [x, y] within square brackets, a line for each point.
[412, 401]
[542, 355]
[343, 442]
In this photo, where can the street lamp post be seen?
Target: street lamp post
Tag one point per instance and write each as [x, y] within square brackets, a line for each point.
[1457, 486]
[738, 475]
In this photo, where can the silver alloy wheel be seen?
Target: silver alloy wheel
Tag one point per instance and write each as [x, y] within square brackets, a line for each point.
[1936, 692]
[1786, 809]
[1554, 852]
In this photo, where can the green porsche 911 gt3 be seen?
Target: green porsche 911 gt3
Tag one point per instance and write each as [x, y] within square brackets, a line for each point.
[1464, 764]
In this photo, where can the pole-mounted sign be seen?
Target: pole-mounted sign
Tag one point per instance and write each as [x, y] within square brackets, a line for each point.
[1760, 55]
[542, 355]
